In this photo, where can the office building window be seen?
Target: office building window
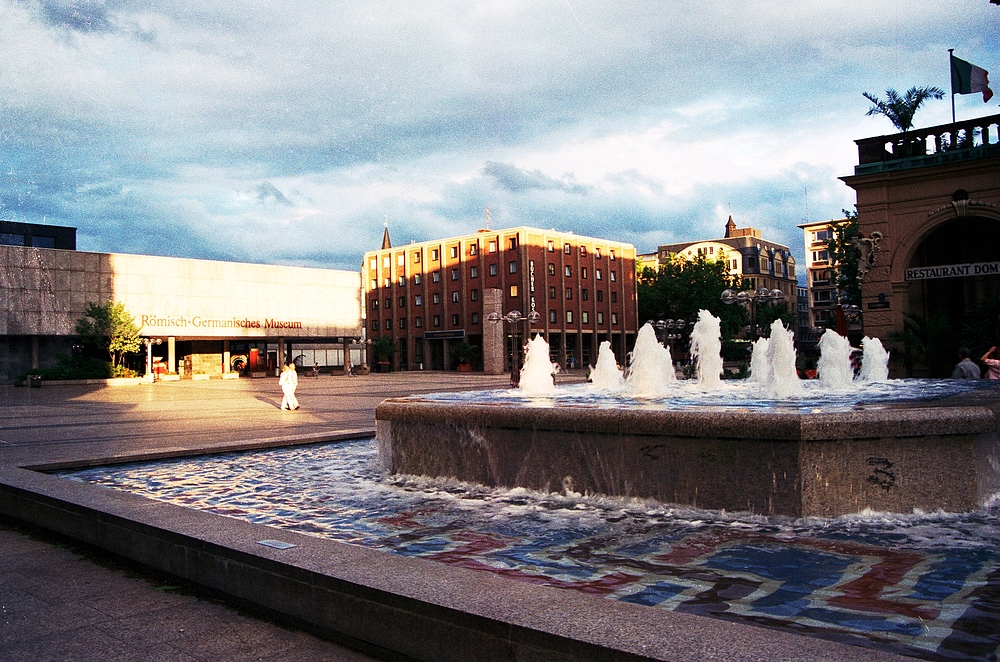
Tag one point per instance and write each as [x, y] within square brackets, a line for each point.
[493, 246]
[374, 284]
[600, 295]
[568, 271]
[416, 279]
[600, 318]
[435, 277]
[388, 325]
[372, 263]
[474, 295]
[454, 296]
[437, 320]
[475, 318]
[454, 274]
[583, 272]
[614, 275]
[416, 257]
[402, 302]
[435, 298]
[551, 247]
[585, 317]
[552, 316]
[513, 290]
[585, 295]
[569, 292]
[418, 322]
[612, 253]
[400, 260]
[567, 249]
[374, 325]
[453, 251]
[401, 281]
[402, 322]
[435, 254]
[454, 320]
[597, 253]
[473, 272]
[473, 249]
[614, 297]
[386, 261]
[493, 270]
[583, 251]
[418, 300]
[374, 304]
[388, 303]
[552, 269]
[597, 274]
[569, 316]
[614, 318]
[512, 267]
[552, 292]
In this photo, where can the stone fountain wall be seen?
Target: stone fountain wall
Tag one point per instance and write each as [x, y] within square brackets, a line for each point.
[771, 462]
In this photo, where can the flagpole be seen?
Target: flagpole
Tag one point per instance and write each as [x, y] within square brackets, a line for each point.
[951, 76]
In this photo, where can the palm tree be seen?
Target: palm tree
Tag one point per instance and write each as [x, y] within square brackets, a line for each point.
[900, 110]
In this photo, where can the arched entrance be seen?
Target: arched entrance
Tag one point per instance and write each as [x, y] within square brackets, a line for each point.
[945, 292]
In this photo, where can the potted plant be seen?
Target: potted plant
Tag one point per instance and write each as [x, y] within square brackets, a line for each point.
[465, 352]
[383, 348]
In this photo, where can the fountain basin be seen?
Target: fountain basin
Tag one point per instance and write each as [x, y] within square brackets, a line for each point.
[943, 455]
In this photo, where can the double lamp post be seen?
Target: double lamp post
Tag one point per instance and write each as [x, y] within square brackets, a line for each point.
[517, 322]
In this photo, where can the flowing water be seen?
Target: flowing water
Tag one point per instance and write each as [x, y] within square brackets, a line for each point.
[924, 584]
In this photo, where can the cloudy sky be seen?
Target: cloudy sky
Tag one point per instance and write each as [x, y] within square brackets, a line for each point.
[288, 132]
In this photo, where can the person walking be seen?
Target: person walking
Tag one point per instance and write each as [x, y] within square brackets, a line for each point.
[992, 360]
[965, 368]
[288, 381]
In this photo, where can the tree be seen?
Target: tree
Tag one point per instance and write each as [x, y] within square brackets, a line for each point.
[110, 329]
[679, 288]
[900, 110]
[383, 348]
[844, 258]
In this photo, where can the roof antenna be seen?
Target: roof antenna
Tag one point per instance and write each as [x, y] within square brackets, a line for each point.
[487, 212]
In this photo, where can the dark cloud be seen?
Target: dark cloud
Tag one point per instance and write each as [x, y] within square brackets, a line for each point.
[268, 192]
[516, 180]
[79, 15]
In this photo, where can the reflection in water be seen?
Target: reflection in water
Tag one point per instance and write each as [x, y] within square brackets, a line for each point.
[922, 584]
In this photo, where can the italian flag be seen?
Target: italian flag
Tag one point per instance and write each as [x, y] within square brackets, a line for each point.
[967, 78]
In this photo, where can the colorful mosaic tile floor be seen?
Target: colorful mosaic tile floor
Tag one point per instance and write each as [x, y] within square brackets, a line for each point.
[925, 585]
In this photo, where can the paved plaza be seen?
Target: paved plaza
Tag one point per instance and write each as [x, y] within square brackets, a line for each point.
[64, 600]
[61, 602]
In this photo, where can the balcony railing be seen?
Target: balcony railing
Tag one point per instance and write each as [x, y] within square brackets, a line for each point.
[945, 143]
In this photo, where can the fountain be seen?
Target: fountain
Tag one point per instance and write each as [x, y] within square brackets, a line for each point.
[773, 444]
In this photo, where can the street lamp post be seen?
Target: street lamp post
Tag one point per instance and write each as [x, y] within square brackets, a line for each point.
[515, 319]
[668, 331]
[149, 342]
[751, 299]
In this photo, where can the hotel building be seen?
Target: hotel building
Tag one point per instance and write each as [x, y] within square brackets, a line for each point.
[820, 273]
[430, 295]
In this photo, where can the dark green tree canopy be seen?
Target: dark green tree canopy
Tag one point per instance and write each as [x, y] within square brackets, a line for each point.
[680, 288]
[844, 258]
[901, 109]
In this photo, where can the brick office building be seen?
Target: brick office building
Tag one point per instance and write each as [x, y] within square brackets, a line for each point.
[431, 295]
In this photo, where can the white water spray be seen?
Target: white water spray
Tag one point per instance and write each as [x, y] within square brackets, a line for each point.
[650, 370]
[760, 369]
[606, 375]
[784, 379]
[706, 350]
[834, 367]
[874, 361]
[537, 375]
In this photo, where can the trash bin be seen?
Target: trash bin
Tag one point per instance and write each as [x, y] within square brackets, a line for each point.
[34, 381]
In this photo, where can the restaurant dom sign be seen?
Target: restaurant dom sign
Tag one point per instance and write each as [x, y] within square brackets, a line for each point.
[954, 271]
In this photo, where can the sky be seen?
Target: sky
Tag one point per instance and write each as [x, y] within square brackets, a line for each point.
[291, 132]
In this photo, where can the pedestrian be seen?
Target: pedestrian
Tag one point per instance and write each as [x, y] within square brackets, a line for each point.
[992, 360]
[965, 368]
[289, 381]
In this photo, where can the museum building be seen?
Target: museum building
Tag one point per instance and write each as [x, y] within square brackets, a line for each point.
[431, 296]
[212, 318]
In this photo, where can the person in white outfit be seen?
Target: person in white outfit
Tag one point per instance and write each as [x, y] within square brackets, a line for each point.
[288, 381]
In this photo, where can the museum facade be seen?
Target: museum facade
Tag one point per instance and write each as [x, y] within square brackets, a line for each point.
[211, 318]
